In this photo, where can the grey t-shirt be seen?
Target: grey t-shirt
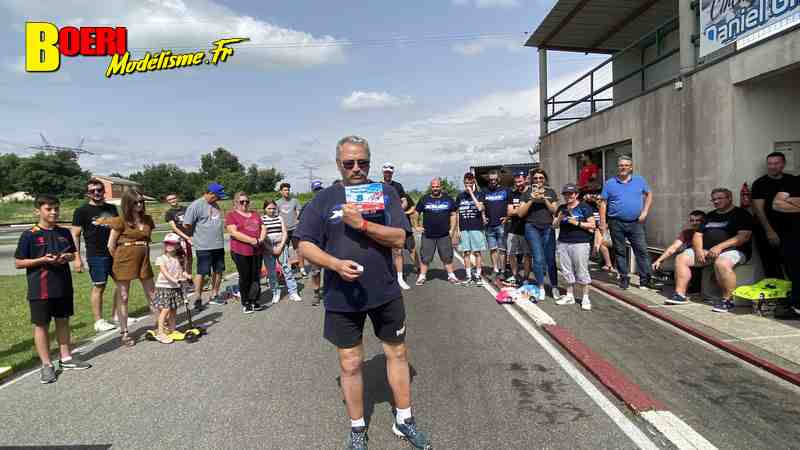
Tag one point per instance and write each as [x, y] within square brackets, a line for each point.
[288, 209]
[538, 214]
[208, 223]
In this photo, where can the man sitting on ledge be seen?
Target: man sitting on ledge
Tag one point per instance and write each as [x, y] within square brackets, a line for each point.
[724, 241]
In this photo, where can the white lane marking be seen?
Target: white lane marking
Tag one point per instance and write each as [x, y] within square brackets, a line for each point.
[83, 347]
[677, 431]
[758, 338]
[629, 428]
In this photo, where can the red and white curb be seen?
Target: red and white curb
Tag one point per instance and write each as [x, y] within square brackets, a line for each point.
[678, 432]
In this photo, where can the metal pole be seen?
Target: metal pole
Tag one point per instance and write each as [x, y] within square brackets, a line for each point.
[542, 91]
[591, 91]
[687, 24]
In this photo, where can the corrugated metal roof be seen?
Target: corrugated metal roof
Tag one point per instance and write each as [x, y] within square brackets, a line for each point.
[600, 26]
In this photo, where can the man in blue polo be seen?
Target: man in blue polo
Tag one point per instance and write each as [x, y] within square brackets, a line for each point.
[626, 201]
[360, 280]
[497, 198]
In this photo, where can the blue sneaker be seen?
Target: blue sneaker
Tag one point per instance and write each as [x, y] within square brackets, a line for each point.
[624, 283]
[217, 300]
[358, 439]
[676, 299]
[408, 431]
[722, 306]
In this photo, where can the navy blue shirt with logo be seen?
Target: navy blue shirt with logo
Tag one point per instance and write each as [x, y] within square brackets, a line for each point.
[322, 224]
[496, 202]
[470, 217]
[436, 215]
[46, 281]
[574, 234]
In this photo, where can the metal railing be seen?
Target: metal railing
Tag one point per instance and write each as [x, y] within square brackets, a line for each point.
[656, 37]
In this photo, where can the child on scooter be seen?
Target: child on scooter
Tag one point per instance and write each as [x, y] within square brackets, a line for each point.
[168, 289]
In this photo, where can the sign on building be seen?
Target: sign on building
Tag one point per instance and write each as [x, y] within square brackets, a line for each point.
[744, 22]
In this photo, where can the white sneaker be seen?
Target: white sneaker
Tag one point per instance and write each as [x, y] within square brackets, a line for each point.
[540, 297]
[566, 300]
[556, 294]
[586, 304]
[102, 325]
[295, 298]
[115, 322]
[276, 296]
[403, 285]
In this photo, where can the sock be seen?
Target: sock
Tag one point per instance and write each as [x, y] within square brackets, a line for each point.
[66, 359]
[469, 272]
[400, 275]
[402, 415]
[586, 298]
[478, 272]
[570, 292]
[451, 276]
[357, 423]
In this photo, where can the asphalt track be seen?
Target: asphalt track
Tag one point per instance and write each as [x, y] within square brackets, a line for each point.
[269, 380]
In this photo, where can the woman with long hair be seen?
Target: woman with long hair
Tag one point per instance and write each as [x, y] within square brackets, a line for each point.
[247, 237]
[129, 245]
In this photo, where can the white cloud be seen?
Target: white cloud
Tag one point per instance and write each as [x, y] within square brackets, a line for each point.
[478, 46]
[488, 3]
[175, 24]
[372, 100]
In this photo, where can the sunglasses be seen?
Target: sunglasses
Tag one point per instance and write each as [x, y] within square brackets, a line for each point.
[537, 178]
[139, 202]
[244, 202]
[349, 164]
[96, 191]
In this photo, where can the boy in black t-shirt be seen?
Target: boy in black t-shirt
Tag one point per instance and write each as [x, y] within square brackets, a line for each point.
[44, 252]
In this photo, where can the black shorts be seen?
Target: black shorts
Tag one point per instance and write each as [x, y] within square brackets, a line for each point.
[52, 308]
[210, 261]
[345, 329]
[430, 246]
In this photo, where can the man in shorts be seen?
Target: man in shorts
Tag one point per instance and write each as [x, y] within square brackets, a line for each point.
[439, 221]
[470, 224]
[45, 251]
[356, 253]
[174, 217]
[496, 200]
[96, 242]
[388, 174]
[289, 210]
[722, 241]
[517, 244]
[205, 218]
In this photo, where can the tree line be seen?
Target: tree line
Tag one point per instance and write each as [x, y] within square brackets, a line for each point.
[60, 173]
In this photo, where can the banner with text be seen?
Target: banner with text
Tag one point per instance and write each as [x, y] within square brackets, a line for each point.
[723, 22]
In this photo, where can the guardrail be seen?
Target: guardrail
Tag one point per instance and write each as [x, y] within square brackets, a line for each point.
[655, 37]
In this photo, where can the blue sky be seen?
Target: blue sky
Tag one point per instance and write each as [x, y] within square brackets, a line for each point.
[393, 72]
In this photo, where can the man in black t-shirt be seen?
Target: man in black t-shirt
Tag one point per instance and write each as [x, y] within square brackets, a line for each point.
[360, 281]
[471, 239]
[496, 199]
[770, 223]
[439, 222]
[788, 202]
[724, 241]
[517, 244]
[44, 252]
[95, 238]
[174, 217]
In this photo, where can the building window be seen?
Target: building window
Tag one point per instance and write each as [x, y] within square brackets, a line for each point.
[604, 160]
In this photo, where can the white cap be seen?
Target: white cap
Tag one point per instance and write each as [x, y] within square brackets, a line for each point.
[388, 167]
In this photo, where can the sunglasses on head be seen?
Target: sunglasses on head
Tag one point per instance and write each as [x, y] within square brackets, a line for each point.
[349, 164]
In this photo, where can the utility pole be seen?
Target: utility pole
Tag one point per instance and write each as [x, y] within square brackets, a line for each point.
[311, 168]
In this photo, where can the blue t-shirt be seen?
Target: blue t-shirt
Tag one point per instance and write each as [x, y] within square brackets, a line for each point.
[469, 216]
[321, 224]
[436, 215]
[496, 203]
[625, 200]
[574, 234]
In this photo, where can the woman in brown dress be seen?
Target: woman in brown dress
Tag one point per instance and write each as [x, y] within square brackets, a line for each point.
[129, 244]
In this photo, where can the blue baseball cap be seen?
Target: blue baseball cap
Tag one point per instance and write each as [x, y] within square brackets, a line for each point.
[316, 185]
[520, 172]
[218, 190]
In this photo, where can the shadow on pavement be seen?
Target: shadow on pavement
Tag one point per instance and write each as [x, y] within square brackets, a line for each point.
[376, 385]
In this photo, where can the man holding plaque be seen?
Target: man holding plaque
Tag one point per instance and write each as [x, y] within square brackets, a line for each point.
[350, 229]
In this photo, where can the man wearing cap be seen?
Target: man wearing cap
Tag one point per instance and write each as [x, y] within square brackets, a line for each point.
[355, 250]
[496, 200]
[316, 271]
[206, 220]
[388, 173]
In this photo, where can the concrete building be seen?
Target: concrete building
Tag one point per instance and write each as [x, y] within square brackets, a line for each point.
[697, 105]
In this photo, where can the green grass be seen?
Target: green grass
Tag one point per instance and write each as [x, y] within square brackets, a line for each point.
[16, 339]
[22, 212]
